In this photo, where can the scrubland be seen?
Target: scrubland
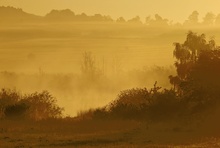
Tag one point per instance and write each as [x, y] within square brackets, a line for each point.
[108, 84]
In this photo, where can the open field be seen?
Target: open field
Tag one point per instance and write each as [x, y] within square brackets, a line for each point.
[118, 133]
[59, 47]
[73, 83]
[49, 57]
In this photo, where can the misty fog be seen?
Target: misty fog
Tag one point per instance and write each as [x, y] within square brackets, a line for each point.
[48, 55]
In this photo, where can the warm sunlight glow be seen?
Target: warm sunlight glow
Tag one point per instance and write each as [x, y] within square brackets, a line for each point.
[176, 10]
[109, 73]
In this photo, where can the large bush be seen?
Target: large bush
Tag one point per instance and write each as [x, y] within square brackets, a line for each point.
[35, 106]
[8, 98]
[140, 103]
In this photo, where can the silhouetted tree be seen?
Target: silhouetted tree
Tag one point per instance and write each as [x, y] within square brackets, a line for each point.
[209, 19]
[157, 22]
[136, 20]
[193, 19]
[64, 15]
[82, 17]
[120, 20]
[88, 67]
[175, 81]
[148, 20]
[108, 18]
[198, 76]
[97, 17]
[195, 43]
[100, 18]
[188, 53]
[181, 53]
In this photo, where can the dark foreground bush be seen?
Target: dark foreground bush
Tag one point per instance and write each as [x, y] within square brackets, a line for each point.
[144, 104]
[35, 106]
[16, 111]
[140, 104]
[194, 95]
[152, 105]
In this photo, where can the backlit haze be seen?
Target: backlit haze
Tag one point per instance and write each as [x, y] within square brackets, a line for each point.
[176, 10]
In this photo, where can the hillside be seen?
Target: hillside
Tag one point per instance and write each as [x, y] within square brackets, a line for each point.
[11, 14]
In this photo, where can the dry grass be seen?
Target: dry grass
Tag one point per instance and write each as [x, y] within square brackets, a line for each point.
[118, 133]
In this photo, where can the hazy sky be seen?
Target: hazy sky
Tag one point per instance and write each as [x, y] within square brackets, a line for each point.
[177, 10]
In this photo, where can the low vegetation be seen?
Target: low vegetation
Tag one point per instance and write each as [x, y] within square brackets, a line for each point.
[188, 111]
[35, 106]
[195, 91]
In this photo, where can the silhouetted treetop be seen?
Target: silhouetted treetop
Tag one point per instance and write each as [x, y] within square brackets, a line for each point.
[120, 20]
[18, 15]
[198, 62]
[66, 14]
[136, 20]
[193, 19]
[209, 19]
[158, 21]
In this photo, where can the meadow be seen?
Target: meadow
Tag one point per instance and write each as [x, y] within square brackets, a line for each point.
[102, 133]
[114, 85]
[126, 54]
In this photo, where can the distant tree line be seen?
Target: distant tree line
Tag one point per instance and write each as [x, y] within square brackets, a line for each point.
[209, 19]
[14, 14]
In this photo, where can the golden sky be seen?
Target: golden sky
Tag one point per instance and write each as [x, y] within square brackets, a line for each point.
[177, 10]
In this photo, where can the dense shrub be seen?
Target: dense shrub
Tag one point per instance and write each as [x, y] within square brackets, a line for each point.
[8, 98]
[141, 103]
[165, 105]
[42, 106]
[35, 106]
[131, 103]
[16, 111]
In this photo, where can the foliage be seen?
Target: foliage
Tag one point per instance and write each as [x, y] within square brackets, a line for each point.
[8, 98]
[196, 88]
[35, 106]
[16, 111]
[187, 54]
[197, 73]
[139, 104]
[42, 106]
[202, 85]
